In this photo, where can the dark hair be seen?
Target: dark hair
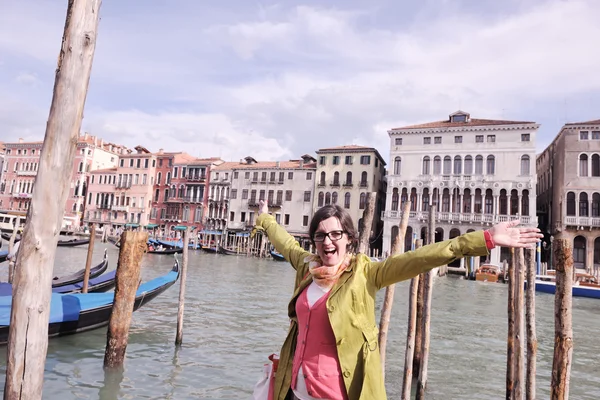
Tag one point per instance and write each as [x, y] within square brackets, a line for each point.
[333, 210]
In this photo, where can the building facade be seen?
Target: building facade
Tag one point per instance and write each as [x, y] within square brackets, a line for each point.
[344, 176]
[477, 172]
[286, 185]
[569, 192]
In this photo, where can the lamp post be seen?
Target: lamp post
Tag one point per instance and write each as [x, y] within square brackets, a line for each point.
[550, 260]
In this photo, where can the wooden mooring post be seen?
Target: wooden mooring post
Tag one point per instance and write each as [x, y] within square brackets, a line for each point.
[530, 381]
[519, 332]
[510, 340]
[365, 233]
[386, 310]
[410, 334]
[88, 261]
[426, 314]
[132, 249]
[184, 263]
[563, 322]
[28, 336]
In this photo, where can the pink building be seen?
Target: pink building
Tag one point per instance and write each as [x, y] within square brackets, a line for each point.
[22, 163]
[121, 196]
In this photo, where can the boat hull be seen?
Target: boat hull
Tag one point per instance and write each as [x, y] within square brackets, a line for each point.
[578, 291]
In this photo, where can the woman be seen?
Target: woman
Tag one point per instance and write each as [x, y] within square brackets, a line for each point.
[331, 350]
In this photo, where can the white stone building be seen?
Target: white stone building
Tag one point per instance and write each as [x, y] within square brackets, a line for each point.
[287, 185]
[479, 172]
[344, 176]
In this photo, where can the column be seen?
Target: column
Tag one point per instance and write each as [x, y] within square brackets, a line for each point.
[419, 207]
[519, 208]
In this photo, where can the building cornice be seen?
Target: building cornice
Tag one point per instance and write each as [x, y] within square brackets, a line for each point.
[479, 128]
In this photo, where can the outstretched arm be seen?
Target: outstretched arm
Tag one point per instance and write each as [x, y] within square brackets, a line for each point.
[284, 242]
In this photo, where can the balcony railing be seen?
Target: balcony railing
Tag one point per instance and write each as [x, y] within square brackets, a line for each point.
[192, 199]
[197, 178]
[347, 184]
[453, 217]
[335, 184]
[123, 185]
[103, 206]
[321, 184]
[174, 200]
[22, 195]
[26, 173]
[120, 208]
[582, 221]
[364, 184]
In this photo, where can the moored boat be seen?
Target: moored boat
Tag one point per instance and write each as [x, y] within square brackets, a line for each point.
[277, 256]
[79, 275]
[227, 251]
[72, 242]
[211, 249]
[487, 273]
[75, 313]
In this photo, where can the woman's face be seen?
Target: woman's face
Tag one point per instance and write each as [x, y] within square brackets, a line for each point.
[330, 250]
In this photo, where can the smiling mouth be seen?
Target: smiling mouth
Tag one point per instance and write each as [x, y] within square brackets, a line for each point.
[329, 252]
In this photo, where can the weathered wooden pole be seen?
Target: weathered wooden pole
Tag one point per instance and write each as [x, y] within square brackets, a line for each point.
[11, 244]
[132, 249]
[88, 261]
[519, 336]
[28, 336]
[386, 310]
[365, 233]
[411, 334]
[184, 264]
[532, 344]
[563, 323]
[510, 340]
[426, 315]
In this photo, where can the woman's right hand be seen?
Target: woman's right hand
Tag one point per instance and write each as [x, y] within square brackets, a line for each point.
[263, 207]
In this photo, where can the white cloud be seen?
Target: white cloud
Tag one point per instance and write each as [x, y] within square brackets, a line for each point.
[26, 78]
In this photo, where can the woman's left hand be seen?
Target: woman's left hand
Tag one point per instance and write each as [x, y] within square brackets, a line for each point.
[506, 234]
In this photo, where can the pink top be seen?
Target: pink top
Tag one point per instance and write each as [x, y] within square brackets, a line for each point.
[316, 351]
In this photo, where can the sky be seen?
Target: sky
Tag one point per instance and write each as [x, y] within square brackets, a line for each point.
[276, 80]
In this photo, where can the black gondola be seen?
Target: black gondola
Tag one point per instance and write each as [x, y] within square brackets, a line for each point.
[3, 255]
[75, 313]
[79, 275]
[228, 252]
[72, 242]
[166, 251]
[214, 250]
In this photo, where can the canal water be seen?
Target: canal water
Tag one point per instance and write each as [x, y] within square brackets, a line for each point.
[235, 316]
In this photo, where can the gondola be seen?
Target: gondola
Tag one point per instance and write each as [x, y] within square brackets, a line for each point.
[3, 255]
[6, 236]
[75, 313]
[79, 275]
[172, 250]
[228, 252]
[99, 284]
[209, 249]
[72, 242]
[276, 256]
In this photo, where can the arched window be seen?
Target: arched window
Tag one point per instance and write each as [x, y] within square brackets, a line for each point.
[596, 205]
[363, 179]
[321, 199]
[479, 165]
[158, 177]
[81, 166]
[181, 190]
[525, 165]
[514, 202]
[347, 200]
[349, 178]
[468, 165]
[322, 180]
[571, 204]
[525, 202]
[503, 203]
[583, 204]
[477, 208]
[437, 165]
[489, 202]
[362, 201]
[425, 200]
[583, 165]
[447, 165]
[579, 251]
[426, 165]
[395, 198]
[168, 178]
[327, 198]
[397, 165]
[166, 194]
[403, 196]
[156, 194]
[413, 200]
[446, 200]
[491, 165]
[395, 231]
[457, 165]
[76, 193]
[467, 201]
[336, 178]
[334, 198]
[595, 165]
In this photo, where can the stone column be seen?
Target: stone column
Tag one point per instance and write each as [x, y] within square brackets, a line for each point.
[519, 208]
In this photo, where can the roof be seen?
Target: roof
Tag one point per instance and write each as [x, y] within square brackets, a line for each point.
[205, 161]
[293, 164]
[594, 122]
[351, 148]
[470, 122]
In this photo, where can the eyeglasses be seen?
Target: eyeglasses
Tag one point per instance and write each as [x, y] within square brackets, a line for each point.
[333, 236]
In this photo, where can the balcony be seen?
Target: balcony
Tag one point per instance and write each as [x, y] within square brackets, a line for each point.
[347, 184]
[174, 200]
[22, 195]
[191, 199]
[321, 184]
[172, 217]
[364, 184]
[275, 204]
[335, 184]
[103, 206]
[120, 208]
[457, 218]
[197, 178]
[26, 173]
[123, 185]
[587, 222]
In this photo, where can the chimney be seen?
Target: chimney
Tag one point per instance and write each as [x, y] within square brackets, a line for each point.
[160, 151]
[301, 163]
[86, 136]
[277, 164]
[20, 140]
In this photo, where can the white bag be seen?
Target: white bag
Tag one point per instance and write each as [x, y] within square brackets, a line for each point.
[263, 390]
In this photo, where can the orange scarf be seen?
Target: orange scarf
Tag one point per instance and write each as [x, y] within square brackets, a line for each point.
[326, 277]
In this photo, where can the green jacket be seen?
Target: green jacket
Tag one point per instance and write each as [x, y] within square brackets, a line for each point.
[351, 304]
